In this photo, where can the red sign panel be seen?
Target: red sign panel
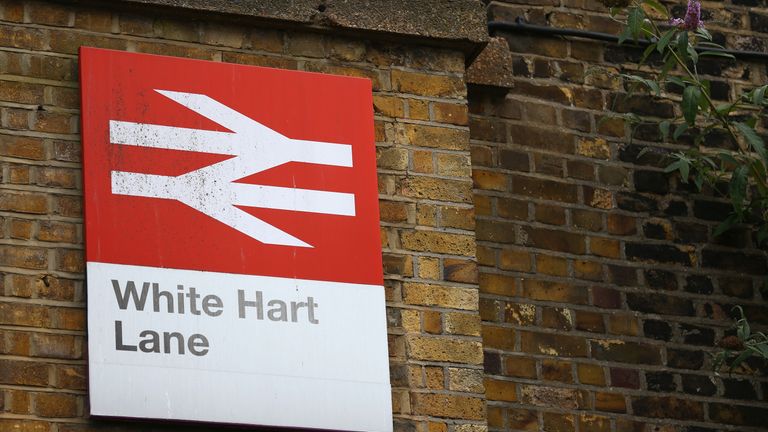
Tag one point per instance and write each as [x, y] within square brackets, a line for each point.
[251, 170]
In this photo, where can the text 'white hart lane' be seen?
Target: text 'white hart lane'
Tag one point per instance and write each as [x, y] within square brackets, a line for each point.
[211, 190]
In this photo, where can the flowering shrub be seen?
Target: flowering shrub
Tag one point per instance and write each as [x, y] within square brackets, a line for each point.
[740, 175]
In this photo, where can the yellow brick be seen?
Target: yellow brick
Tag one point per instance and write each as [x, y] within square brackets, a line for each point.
[462, 323]
[442, 296]
[429, 268]
[446, 349]
[427, 85]
[450, 406]
[497, 390]
[438, 242]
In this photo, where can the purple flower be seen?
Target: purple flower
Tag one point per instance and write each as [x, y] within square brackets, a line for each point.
[692, 20]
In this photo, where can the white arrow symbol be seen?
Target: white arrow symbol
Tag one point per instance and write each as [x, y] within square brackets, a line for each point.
[210, 189]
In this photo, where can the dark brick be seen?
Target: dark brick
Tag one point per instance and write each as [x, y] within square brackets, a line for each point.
[626, 352]
[737, 237]
[612, 175]
[659, 304]
[623, 276]
[652, 156]
[758, 22]
[514, 160]
[659, 330]
[699, 385]
[560, 241]
[660, 381]
[736, 287]
[636, 203]
[711, 210]
[643, 105]
[667, 407]
[685, 359]
[689, 232]
[676, 208]
[660, 279]
[491, 363]
[606, 298]
[661, 253]
[735, 261]
[544, 189]
[739, 389]
[738, 414]
[699, 284]
[652, 182]
[654, 230]
[626, 378]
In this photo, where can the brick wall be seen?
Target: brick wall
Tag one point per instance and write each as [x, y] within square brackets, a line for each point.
[603, 290]
[425, 185]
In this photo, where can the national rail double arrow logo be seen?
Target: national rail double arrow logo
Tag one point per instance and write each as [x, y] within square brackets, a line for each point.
[212, 190]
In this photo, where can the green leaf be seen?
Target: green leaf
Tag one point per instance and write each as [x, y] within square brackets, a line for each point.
[658, 7]
[737, 188]
[625, 34]
[664, 40]
[635, 22]
[679, 130]
[724, 109]
[726, 225]
[753, 138]
[648, 51]
[682, 46]
[740, 359]
[704, 34]
[690, 104]
[716, 54]
[693, 54]
[726, 157]
[759, 95]
[664, 129]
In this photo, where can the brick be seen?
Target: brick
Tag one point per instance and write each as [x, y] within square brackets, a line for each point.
[547, 396]
[260, 60]
[68, 42]
[436, 189]
[497, 284]
[660, 253]
[604, 247]
[588, 270]
[487, 130]
[612, 402]
[23, 257]
[623, 324]
[667, 407]
[490, 180]
[23, 38]
[392, 158]
[194, 52]
[388, 106]
[554, 291]
[434, 137]
[21, 147]
[266, 40]
[21, 92]
[70, 260]
[557, 422]
[465, 380]
[737, 414]
[515, 260]
[560, 241]
[55, 346]
[520, 367]
[548, 139]
[457, 270]
[71, 377]
[376, 80]
[55, 405]
[590, 374]
[523, 419]
[554, 370]
[455, 217]
[94, 20]
[28, 373]
[432, 348]
[427, 85]
[21, 228]
[442, 296]
[498, 390]
[551, 265]
[453, 165]
[495, 337]
[462, 323]
[553, 344]
[450, 113]
[450, 406]
[626, 352]
[556, 318]
[432, 322]
[306, 45]
[438, 242]
[597, 148]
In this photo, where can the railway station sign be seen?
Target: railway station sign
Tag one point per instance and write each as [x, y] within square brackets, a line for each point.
[233, 253]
